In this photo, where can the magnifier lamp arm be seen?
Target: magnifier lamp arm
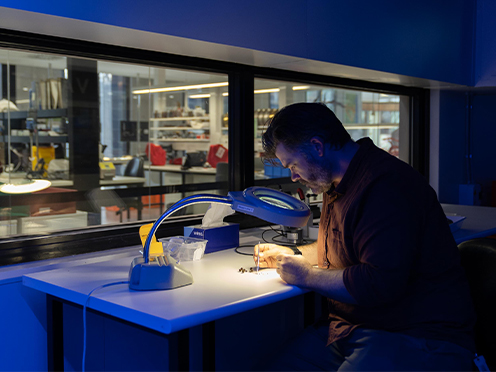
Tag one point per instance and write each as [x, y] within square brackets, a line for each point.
[194, 199]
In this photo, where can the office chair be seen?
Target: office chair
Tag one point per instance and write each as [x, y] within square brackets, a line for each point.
[478, 258]
[99, 198]
[135, 168]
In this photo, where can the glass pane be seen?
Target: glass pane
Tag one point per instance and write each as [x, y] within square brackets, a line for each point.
[383, 118]
[117, 141]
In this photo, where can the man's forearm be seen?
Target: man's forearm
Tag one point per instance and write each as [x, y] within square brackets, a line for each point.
[309, 251]
[329, 283]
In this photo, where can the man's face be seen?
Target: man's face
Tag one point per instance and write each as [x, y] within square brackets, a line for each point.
[310, 170]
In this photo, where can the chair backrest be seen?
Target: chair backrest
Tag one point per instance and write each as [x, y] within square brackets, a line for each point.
[478, 257]
[104, 198]
[135, 168]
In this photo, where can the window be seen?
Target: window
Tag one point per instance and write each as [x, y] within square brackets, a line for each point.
[110, 134]
[121, 138]
[382, 117]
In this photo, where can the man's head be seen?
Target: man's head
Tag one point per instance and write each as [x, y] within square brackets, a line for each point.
[303, 137]
[296, 124]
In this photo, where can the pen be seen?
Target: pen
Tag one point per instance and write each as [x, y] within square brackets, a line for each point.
[258, 257]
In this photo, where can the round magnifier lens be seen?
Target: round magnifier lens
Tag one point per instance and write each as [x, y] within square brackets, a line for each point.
[277, 202]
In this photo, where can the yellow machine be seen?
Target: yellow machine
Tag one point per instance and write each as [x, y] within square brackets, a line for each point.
[47, 153]
[107, 170]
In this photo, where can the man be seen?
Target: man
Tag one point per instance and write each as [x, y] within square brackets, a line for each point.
[387, 261]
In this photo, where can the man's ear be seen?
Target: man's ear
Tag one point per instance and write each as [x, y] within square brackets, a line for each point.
[317, 146]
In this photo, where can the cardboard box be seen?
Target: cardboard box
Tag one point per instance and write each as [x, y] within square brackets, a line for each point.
[219, 238]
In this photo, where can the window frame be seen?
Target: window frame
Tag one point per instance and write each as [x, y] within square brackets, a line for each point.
[241, 142]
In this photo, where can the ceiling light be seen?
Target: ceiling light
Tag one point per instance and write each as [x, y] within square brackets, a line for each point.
[301, 87]
[195, 96]
[260, 91]
[184, 87]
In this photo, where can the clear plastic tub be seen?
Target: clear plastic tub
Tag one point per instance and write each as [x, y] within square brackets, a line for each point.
[184, 248]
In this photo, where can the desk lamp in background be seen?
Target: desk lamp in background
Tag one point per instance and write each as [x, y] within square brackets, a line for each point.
[267, 204]
[23, 185]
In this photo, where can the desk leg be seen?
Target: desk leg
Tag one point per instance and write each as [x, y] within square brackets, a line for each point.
[55, 334]
[208, 341]
[179, 351]
[308, 309]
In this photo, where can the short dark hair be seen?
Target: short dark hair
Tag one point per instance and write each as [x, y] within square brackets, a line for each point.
[296, 124]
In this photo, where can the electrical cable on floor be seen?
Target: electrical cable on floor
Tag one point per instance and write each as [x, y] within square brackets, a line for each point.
[84, 317]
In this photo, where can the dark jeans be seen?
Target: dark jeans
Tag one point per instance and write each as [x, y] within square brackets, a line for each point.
[369, 350]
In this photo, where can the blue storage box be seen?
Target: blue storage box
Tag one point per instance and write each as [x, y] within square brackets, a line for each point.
[276, 171]
[219, 238]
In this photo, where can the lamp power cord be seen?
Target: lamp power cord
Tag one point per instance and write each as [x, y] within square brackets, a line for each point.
[83, 364]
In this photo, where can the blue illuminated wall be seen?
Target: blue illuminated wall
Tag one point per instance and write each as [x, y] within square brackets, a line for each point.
[422, 38]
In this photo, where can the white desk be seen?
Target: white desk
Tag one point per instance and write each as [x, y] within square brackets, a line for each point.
[124, 181]
[115, 181]
[480, 221]
[219, 291]
[188, 176]
[177, 169]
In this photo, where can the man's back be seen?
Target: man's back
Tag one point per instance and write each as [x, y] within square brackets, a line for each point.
[384, 224]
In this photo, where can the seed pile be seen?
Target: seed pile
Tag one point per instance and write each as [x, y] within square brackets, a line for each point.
[242, 270]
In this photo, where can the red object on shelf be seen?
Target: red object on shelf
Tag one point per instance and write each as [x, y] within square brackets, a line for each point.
[156, 154]
[217, 154]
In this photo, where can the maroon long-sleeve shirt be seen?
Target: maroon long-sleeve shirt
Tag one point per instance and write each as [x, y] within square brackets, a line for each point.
[384, 226]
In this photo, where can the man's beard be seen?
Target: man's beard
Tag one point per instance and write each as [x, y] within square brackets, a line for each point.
[319, 177]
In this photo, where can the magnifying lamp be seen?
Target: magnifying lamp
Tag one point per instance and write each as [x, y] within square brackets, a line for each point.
[267, 204]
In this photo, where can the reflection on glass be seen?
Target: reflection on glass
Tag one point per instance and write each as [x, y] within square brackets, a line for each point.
[92, 125]
[276, 202]
[364, 114]
[382, 117]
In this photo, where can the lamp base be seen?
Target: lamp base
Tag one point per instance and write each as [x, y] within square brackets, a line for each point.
[162, 273]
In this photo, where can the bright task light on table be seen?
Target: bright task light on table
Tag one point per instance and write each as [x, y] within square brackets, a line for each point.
[24, 186]
[267, 204]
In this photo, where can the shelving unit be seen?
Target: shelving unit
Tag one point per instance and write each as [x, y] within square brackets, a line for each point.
[201, 124]
[192, 124]
[42, 114]
[41, 139]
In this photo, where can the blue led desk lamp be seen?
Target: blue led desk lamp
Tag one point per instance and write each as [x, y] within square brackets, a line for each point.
[267, 204]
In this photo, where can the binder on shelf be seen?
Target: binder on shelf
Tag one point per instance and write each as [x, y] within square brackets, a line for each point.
[54, 93]
[42, 94]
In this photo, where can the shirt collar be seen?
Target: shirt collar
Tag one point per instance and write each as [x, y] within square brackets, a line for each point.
[336, 191]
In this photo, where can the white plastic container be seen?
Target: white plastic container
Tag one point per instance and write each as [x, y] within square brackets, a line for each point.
[184, 248]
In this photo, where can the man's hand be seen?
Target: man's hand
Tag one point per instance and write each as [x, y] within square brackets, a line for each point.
[293, 269]
[268, 254]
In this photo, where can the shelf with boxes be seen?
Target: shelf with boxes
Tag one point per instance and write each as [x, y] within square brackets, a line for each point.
[181, 129]
[46, 135]
[54, 113]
